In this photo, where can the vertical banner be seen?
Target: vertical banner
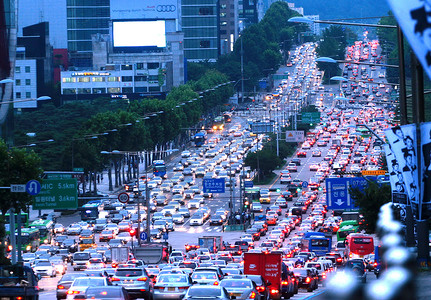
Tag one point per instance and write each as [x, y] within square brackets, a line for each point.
[399, 196]
[425, 176]
[403, 144]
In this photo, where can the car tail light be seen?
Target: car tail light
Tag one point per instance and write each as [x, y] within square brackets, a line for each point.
[183, 287]
[273, 291]
[19, 298]
[252, 295]
[260, 289]
[293, 279]
[375, 264]
[69, 292]
[339, 259]
[115, 279]
[158, 287]
[60, 287]
[308, 280]
[324, 275]
[114, 265]
[284, 282]
[216, 283]
[142, 279]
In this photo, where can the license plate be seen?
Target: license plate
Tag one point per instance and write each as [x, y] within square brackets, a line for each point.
[171, 289]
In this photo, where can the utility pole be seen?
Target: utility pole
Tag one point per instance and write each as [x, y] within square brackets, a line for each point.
[242, 73]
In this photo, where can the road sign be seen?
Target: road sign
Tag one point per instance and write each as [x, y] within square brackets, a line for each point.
[57, 194]
[293, 136]
[310, 117]
[337, 191]
[262, 127]
[123, 197]
[17, 188]
[373, 172]
[33, 187]
[143, 235]
[305, 184]
[214, 185]
[165, 236]
[78, 169]
[248, 184]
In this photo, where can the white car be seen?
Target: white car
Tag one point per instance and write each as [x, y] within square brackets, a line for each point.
[44, 268]
[80, 285]
[193, 204]
[197, 219]
[185, 154]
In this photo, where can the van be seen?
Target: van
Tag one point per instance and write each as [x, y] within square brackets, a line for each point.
[80, 260]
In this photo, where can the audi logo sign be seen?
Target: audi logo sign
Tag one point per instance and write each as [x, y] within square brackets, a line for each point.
[166, 8]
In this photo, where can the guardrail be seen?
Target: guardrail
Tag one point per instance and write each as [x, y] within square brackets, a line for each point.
[396, 270]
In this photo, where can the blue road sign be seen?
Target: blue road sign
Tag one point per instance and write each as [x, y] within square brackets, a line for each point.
[248, 184]
[33, 187]
[305, 184]
[165, 236]
[214, 185]
[143, 235]
[337, 191]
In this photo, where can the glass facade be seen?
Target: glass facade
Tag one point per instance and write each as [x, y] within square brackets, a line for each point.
[200, 24]
[84, 18]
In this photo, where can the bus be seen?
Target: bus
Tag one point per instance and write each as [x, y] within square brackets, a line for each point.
[90, 211]
[45, 229]
[200, 138]
[316, 242]
[252, 194]
[30, 239]
[358, 245]
[159, 168]
[218, 124]
[227, 117]
[346, 228]
[24, 221]
[365, 133]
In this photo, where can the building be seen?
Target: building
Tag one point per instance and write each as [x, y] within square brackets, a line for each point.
[299, 10]
[25, 85]
[228, 25]
[200, 22]
[314, 27]
[248, 13]
[142, 56]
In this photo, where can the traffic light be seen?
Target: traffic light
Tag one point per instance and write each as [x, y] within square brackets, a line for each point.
[246, 204]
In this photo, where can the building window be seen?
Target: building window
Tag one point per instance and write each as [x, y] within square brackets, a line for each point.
[141, 89]
[99, 91]
[98, 79]
[113, 79]
[114, 90]
[17, 69]
[17, 82]
[139, 66]
[84, 79]
[84, 91]
[27, 69]
[126, 67]
[18, 95]
[69, 91]
[223, 32]
[127, 78]
[140, 78]
[154, 89]
[69, 79]
[127, 90]
[205, 11]
[28, 95]
[153, 78]
[27, 82]
[204, 44]
[153, 66]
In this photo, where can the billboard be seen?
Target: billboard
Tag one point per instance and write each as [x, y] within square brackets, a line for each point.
[141, 10]
[425, 176]
[139, 34]
[402, 140]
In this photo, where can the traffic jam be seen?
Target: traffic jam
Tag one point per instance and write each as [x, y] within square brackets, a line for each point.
[292, 243]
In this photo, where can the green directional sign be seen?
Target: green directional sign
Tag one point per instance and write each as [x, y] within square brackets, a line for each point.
[310, 117]
[57, 194]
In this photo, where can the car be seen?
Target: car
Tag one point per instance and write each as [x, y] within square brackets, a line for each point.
[65, 282]
[241, 288]
[207, 292]
[314, 167]
[216, 220]
[358, 267]
[44, 267]
[256, 207]
[306, 279]
[301, 154]
[206, 276]
[178, 218]
[135, 280]
[173, 285]
[316, 153]
[197, 219]
[80, 285]
[107, 293]
[285, 179]
[296, 161]
[178, 167]
[292, 167]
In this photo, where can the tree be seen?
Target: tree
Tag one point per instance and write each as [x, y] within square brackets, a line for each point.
[369, 200]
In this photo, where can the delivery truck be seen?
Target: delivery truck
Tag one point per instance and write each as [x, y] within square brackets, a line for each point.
[213, 243]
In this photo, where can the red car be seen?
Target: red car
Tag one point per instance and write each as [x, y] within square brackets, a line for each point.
[301, 154]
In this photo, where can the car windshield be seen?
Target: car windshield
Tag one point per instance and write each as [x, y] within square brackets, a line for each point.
[204, 292]
[81, 256]
[170, 278]
[204, 275]
[43, 264]
[128, 272]
[71, 277]
[236, 283]
[89, 282]
[98, 293]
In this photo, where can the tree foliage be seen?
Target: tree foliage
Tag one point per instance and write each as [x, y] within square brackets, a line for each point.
[369, 200]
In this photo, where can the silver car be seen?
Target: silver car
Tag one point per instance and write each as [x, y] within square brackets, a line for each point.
[173, 285]
[207, 292]
[136, 281]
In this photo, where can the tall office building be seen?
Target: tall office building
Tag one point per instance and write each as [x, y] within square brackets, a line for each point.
[248, 13]
[201, 27]
[228, 25]
[85, 18]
